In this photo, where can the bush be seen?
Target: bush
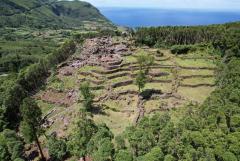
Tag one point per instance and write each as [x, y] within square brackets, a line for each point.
[181, 49]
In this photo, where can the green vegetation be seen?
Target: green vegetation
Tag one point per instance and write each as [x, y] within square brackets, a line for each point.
[11, 146]
[144, 62]
[47, 13]
[223, 38]
[141, 80]
[179, 123]
[57, 148]
[87, 95]
[28, 80]
[31, 124]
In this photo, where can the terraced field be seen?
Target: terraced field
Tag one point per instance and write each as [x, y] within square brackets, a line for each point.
[175, 81]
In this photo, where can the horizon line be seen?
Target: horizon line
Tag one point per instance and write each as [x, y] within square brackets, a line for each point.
[165, 8]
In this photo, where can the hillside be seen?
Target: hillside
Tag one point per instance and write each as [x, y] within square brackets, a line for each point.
[75, 87]
[47, 13]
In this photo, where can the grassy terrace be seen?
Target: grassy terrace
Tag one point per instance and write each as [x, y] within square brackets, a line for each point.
[120, 113]
[195, 62]
[194, 81]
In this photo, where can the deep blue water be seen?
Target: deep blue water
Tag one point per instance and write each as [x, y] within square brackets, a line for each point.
[137, 17]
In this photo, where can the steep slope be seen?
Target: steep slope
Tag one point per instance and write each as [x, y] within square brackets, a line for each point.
[47, 13]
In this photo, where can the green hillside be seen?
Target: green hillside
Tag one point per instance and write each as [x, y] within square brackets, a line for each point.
[47, 13]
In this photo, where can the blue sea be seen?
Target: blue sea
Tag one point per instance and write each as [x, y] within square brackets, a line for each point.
[144, 17]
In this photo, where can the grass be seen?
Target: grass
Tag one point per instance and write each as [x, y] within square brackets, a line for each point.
[129, 59]
[116, 121]
[70, 82]
[128, 87]
[187, 72]
[194, 81]
[198, 94]
[195, 63]
[45, 107]
[119, 79]
[152, 104]
[165, 87]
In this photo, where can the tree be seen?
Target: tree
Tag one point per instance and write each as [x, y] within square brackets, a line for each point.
[100, 145]
[120, 142]
[141, 80]
[57, 148]
[144, 62]
[78, 141]
[87, 95]
[169, 158]
[123, 155]
[30, 126]
[141, 140]
[155, 154]
[11, 146]
[105, 150]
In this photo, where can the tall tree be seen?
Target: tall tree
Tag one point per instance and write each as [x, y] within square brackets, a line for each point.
[87, 95]
[141, 80]
[11, 146]
[57, 148]
[31, 123]
[78, 141]
[144, 62]
[100, 145]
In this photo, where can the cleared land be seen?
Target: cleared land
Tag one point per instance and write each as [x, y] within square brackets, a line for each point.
[180, 80]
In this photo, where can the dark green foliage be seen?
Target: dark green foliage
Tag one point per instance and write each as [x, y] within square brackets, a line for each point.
[155, 154]
[105, 150]
[123, 155]
[44, 13]
[162, 36]
[141, 80]
[100, 146]
[57, 148]
[87, 95]
[29, 80]
[225, 38]
[11, 146]
[120, 142]
[91, 140]
[78, 141]
[31, 123]
[181, 49]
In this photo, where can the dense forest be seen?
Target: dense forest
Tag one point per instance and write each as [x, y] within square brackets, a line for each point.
[224, 38]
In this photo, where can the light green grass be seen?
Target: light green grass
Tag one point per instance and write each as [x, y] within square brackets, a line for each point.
[194, 81]
[116, 121]
[198, 94]
[44, 106]
[187, 72]
[165, 87]
[128, 87]
[195, 63]
[119, 79]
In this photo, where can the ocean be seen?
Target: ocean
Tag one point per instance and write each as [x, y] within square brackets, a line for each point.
[144, 17]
